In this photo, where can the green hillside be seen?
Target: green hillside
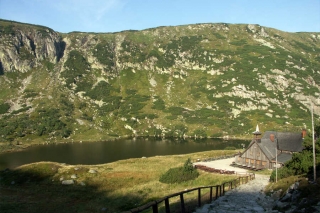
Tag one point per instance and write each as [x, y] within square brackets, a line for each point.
[202, 80]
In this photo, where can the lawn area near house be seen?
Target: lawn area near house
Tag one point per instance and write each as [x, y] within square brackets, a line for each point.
[112, 187]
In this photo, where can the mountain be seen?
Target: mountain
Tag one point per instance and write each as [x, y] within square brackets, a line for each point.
[203, 80]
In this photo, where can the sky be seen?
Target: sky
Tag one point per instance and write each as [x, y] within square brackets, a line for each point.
[118, 15]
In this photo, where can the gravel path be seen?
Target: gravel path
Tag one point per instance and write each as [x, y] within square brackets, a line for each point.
[244, 199]
[222, 164]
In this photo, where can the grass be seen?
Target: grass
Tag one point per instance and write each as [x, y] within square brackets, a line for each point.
[117, 186]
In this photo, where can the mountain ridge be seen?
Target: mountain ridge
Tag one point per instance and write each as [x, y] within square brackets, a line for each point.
[199, 80]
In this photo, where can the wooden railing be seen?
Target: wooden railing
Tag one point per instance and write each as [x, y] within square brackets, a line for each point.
[214, 192]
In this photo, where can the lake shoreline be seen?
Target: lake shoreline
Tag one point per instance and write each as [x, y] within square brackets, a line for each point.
[20, 146]
[83, 152]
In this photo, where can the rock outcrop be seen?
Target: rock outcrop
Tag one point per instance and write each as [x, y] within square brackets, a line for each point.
[195, 80]
[23, 49]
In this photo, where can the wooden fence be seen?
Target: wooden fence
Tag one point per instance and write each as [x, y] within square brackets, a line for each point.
[214, 192]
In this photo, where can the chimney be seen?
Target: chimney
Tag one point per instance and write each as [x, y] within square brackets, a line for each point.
[272, 137]
[304, 133]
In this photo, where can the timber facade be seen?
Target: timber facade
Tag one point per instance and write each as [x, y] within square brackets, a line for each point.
[273, 147]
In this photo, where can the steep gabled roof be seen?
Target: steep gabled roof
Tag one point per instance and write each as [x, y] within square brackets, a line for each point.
[287, 141]
[268, 148]
[283, 157]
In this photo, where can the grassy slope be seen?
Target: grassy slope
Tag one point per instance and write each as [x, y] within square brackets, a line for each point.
[178, 59]
[118, 186]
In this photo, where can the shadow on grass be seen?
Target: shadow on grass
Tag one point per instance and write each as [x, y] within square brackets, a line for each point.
[38, 189]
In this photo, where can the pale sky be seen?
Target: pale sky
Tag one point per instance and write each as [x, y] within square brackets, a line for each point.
[118, 15]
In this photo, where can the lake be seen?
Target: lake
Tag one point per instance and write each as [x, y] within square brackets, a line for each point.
[90, 153]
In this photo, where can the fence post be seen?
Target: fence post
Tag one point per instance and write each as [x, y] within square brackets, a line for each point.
[199, 197]
[182, 203]
[217, 188]
[211, 194]
[166, 201]
[223, 186]
[155, 208]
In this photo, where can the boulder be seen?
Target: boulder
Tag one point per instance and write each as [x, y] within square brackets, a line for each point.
[67, 182]
[92, 171]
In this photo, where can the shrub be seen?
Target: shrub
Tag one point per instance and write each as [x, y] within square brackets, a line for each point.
[105, 53]
[4, 108]
[282, 173]
[180, 174]
[200, 133]
[159, 104]
[76, 66]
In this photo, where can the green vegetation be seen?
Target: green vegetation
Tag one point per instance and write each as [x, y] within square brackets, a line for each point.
[25, 54]
[104, 52]
[76, 68]
[301, 163]
[44, 122]
[203, 80]
[4, 108]
[159, 104]
[132, 105]
[180, 174]
[134, 180]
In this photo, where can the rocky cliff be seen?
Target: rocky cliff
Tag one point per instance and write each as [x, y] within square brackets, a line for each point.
[200, 80]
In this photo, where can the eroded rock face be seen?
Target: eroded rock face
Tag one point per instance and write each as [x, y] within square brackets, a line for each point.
[223, 74]
[24, 49]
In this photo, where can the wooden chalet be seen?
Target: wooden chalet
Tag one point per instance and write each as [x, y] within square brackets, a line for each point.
[263, 153]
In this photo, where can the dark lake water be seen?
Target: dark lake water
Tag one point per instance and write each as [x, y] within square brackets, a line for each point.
[89, 153]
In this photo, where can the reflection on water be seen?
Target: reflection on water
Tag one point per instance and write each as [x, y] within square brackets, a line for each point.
[110, 151]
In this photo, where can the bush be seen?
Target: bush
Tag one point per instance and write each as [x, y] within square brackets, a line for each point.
[76, 66]
[200, 133]
[282, 173]
[105, 53]
[180, 174]
[4, 108]
[159, 104]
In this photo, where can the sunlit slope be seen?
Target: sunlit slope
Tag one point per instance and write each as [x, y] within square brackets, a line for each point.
[198, 80]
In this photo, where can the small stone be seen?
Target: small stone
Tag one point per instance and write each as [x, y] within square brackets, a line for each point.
[82, 183]
[67, 182]
[104, 209]
[74, 176]
[296, 185]
[12, 182]
[92, 171]
[61, 179]
[258, 209]
[286, 198]
[76, 168]
[282, 205]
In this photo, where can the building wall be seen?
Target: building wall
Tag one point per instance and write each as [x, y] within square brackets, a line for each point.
[253, 157]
